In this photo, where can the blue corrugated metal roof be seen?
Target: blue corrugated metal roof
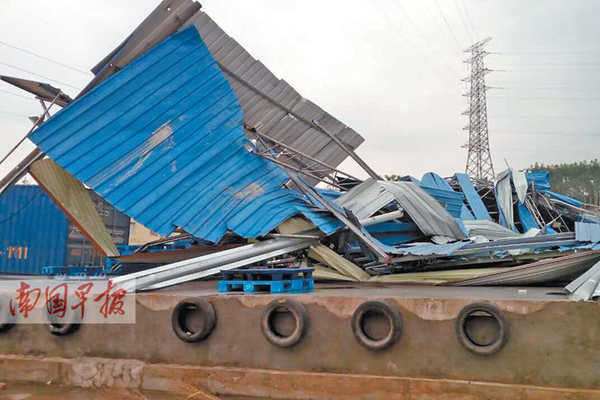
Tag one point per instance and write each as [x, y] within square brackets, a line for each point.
[540, 178]
[438, 188]
[163, 141]
[33, 231]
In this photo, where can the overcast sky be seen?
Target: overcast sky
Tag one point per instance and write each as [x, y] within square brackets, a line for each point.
[390, 69]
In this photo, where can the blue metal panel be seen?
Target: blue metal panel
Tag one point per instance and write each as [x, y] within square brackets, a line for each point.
[473, 198]
[162, 140]
[564, 198]
[393, 233]
[541, 179]
[527, 220]
[33, 231]
[454, 201]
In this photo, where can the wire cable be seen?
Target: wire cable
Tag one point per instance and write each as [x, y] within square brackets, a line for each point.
[406, 15]
[458, 46]
[462, 19]
[45, 58]
[38, 75]
[469, 18]
[18, 95]
[12, 113]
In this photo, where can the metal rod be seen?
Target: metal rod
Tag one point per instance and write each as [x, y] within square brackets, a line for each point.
[348, 151]
[293, 168]
[381, 218]
[290, 236]
[313, 123]
[255, 130]
[35, 125]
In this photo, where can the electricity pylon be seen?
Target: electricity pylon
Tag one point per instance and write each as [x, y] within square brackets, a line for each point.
[479, 159]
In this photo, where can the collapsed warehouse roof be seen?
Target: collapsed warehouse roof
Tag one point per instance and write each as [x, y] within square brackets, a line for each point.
[183, 130]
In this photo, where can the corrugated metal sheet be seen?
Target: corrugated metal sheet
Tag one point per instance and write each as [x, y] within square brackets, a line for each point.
[526, 218]
[585, 232]
[431, 218]
[475, 202]
[70, 195]
[271, 103]
[33, 231]
[162, 140]
[394, 233]
[539, 179]
[585, 286]
[545, 271]
[520, 182]
[441, 190]
[429, 215]
[564, 198]
[427, 249]
[488, 229]
[365, 199]
[503, 192]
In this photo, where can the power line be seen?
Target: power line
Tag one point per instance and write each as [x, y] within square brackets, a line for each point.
[38, 75]
[18, 95]
[459, 47]
[544, 52]
[469, 18]
[540, 133]
[417, 30]
[512, 97]
[462, 19]
[12, 113]
[581, 117]
[45, 58]
[418, 48]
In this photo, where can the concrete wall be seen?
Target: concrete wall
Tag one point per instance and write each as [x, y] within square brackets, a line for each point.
[552, 343]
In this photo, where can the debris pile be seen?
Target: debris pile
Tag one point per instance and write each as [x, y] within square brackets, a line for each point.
[184, 131]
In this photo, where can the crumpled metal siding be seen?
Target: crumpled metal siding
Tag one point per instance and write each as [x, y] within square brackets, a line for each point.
[429, 215]
[365, 199]
[33, 231]
[585, 232]
[488, 229]
[271, 103]
[503, 192]
[431, 218]
[162, 140]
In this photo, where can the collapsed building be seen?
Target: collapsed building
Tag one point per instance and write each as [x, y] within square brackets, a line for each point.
[184, 131]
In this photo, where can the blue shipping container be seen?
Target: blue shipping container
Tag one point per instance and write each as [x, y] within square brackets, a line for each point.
[33, 231]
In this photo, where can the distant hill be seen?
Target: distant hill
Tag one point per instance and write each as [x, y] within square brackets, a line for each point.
[580, 179]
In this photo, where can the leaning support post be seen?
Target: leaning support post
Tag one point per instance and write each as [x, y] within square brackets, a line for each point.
[348, 151]
[16, 173]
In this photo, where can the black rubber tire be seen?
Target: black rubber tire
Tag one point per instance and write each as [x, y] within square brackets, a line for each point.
[393, 315]
[300, 316]
[66, 325]
[6, 319]
[465, 340]
[208, 314]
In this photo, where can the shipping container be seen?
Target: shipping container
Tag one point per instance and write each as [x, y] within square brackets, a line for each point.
[80, 251]
[33, 231]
